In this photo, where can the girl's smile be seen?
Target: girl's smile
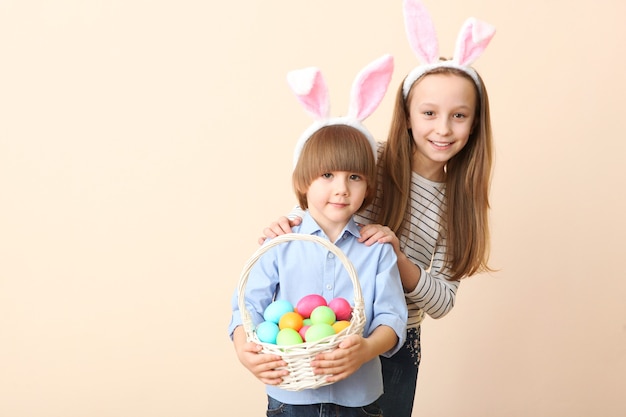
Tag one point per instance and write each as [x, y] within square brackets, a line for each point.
[442, 108]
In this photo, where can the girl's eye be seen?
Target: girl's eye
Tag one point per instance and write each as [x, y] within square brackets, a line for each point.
[459, 116]
[355, 177]
[327, 175]
[429, 113]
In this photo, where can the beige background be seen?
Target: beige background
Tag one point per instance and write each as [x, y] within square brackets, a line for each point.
[145, 144]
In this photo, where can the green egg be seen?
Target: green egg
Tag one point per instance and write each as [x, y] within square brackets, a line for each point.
[323, 314]
[288, 336]
[319, 331]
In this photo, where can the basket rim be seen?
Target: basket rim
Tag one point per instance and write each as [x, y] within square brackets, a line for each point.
[356, 326]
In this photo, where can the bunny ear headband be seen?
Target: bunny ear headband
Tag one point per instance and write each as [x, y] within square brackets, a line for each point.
[368, 90]
[470, 43]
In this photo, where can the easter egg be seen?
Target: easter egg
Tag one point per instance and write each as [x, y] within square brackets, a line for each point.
[339, 325]
[308, 303]
[291, 320]
[319, 331]
[276, 309]
[287, 336]
[267, 331]
[303, 330]
[307, 322]
[323, 314]
[341, 307]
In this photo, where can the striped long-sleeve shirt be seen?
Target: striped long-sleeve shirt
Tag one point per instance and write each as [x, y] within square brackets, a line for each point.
[420, 241]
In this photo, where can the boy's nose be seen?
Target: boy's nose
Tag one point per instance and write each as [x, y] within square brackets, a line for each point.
[341, 187]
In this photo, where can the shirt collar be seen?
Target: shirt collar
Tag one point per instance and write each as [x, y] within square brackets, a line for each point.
[309, 226]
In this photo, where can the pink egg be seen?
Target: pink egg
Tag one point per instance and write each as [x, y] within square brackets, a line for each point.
[341, 307]
[308, 303]
[303, 330]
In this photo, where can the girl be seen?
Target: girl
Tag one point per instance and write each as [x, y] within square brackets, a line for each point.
[434, 178]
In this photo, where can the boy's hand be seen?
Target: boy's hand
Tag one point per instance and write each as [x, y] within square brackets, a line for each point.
[261, 365]
[353, 352]
[342, 362]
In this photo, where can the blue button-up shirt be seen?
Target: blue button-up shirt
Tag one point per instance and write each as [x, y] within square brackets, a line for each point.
[298, 268]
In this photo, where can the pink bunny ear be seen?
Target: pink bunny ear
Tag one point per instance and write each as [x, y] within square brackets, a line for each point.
[310, 89]
[473, 38]
[421, 31]
[369, 87]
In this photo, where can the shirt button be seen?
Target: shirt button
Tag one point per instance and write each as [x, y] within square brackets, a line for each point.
[329, 287]
[331, 255]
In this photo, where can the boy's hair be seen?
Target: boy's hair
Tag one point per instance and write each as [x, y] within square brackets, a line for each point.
[335, 148]
[468, 178]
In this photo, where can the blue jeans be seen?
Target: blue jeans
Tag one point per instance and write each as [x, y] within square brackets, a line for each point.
[400, 377]
[276, 408]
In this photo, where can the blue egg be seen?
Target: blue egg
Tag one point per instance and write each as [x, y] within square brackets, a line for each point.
[267, 332]
[276, 309]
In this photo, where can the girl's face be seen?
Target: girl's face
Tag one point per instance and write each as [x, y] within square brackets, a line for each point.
[333, 198]
[441, 116]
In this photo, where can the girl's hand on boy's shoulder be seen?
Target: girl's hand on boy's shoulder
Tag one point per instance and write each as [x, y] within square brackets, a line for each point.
[377, 233]
[280, 227]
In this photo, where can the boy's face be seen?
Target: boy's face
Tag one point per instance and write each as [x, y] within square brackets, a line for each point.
[334, 197]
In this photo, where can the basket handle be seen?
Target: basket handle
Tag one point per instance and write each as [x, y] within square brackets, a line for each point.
[245, 315]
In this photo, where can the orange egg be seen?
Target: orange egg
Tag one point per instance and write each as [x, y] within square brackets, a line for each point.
[291, 320]
[339, 325]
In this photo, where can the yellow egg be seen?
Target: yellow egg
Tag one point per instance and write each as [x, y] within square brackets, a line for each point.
[339, 325]
[291, 320]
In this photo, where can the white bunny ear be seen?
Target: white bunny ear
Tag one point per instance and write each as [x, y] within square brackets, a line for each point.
[472, 40]
[310, 89]
[420, 31]
[369, 87]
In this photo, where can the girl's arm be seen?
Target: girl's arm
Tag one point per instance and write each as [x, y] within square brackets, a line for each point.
[429, 289]
[434, 292]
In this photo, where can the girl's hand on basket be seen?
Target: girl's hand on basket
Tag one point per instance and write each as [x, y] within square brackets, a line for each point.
[280, 227]
[376, 233]
[261, 365]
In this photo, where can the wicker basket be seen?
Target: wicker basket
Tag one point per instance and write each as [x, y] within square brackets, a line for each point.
[298, 357]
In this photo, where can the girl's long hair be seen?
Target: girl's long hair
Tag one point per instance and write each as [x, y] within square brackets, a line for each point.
[468, 180]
